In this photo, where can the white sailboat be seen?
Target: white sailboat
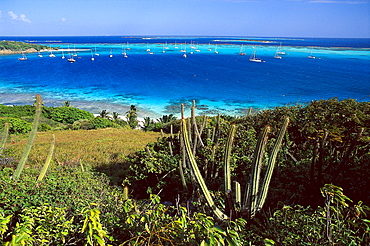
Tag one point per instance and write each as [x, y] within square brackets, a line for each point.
[63, 55]
[92, 56]
[216, 51]
[277, 53]
[127, 48]
[111, 54]
[74, 49]
[281, 52]
[23, 58]
[96, 53]
[176, 47]
[253, 57]
[184, 51]
[310, 56]
[39, 55]
[241, 51]
[51, 53]
[71, 59]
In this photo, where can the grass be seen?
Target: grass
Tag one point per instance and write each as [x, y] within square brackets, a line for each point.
[92, 147]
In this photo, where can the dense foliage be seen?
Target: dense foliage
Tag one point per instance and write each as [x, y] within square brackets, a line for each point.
[20, 46]
[60, 118]
[317, 196]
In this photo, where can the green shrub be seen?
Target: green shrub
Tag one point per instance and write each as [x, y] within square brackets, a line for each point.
[67, 115]
[43, 127]
[17, 111]
[17, 126]
[99, 123]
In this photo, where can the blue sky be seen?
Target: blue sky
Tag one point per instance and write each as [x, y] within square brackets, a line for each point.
[263, 18]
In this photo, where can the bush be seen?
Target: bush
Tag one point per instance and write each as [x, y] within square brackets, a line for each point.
[67, 115]
[103, 123]
[17, 126]
[17, 111]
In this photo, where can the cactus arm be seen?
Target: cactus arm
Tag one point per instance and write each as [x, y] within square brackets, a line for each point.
[227, 158]
[48, 160]
[238, 198]
[271, 164]
[256, 169]
[4, 136]
[198, 175]
[31, 139]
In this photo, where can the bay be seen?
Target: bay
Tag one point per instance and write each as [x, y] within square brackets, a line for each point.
[223, 82]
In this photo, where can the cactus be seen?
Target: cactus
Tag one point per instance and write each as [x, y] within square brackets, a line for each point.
[256, 192]
[251, 199]
[227, 156]
[48, 160]
[271, 164]
[31, 139]
[220, 215]
[4, 136]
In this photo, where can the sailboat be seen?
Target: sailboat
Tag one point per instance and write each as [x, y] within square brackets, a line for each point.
[111, 55]
[96, 53]
[92, 56]
[75, 52]
[39, 55]
[23, 58]
[209, 47]
[63, 55]
[128, 48]
[241, 52]
[184, 51]
[216, 51]
[176, 47]
[51, 53]
[281, 52]
[71, 59]
[310, 56]
[253, 57]
[277, 53]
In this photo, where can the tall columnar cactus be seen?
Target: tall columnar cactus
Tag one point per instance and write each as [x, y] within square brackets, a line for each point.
[256, 192]
[48, 160]
[4, 137]
[31, 139]
[198, 175]
[227, 157]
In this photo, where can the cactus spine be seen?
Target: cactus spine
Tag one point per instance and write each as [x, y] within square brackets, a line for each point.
[31, 139]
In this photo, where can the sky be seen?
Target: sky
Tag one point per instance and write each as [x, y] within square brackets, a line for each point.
[260, 18]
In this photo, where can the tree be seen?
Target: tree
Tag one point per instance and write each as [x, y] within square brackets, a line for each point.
[131, 116]
[104, 114]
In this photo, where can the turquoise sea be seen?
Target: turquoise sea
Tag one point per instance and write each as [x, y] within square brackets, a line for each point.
[220, 82]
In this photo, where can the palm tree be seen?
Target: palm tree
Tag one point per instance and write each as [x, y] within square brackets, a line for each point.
[167, 118]
[66, 104]
[131, 116]
[104, 114]
[115, 116]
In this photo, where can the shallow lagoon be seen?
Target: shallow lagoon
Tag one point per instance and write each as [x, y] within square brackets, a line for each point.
[158, 83]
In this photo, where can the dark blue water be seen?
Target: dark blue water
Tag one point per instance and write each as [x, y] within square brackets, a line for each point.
[158, 83]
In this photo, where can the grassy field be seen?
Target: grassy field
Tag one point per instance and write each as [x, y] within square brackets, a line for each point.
[92, 147]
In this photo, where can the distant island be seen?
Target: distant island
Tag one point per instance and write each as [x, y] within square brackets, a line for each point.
[14, 47]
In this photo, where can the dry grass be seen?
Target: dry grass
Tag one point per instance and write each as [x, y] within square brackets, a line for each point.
[92, 147]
